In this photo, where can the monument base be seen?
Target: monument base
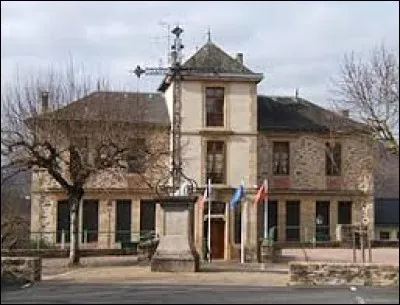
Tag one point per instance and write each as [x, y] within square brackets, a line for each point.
[176, 251]
[175, 263]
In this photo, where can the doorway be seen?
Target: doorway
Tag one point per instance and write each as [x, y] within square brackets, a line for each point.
[217, 237]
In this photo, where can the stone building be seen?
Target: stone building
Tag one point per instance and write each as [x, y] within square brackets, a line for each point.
[386, 194]
[319, 165]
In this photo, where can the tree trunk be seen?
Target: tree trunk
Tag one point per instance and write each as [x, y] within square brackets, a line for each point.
[74, 201]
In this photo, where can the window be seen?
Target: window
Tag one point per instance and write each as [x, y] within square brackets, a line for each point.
[216, 161]
[238, 223]
[123, 221]
[333, 159]
[281, 158]
[322, 221]
[63, 221]
[136, 155]
[293, 220]
[344, 212]
[215, 106]
[90, 221]
[384, 235]
[272, 217]
[147, 216]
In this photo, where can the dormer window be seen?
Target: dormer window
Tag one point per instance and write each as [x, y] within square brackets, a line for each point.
[214, 106]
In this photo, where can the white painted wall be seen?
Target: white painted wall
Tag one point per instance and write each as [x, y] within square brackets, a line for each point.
[240, 104]
[169, 94]
[192, 106]
[238, 161]
[191, 157]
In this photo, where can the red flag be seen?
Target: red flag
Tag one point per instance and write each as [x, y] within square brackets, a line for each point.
[204, 198]
[261, 193]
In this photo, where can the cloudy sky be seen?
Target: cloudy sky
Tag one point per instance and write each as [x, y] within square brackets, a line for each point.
[295, 44]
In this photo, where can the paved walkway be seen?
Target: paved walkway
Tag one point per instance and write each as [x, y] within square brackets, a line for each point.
[143, 274]
[129, 269]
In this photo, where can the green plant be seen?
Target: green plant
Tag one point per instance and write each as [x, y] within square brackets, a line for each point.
[269, 241]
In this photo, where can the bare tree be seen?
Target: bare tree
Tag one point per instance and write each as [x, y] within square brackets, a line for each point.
[72, 142]
[14, 213]
[369, 88]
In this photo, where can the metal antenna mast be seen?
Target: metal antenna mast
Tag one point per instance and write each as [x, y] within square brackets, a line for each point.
[174, 71]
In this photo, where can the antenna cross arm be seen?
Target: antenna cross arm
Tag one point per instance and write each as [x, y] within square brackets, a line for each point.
[138, 71]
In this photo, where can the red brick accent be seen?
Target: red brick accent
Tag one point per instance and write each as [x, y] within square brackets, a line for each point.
[281, 182]
[334, 183]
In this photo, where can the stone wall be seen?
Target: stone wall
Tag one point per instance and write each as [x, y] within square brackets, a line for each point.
[158, 141]
[22, 268]
[307, 162]
[327, 273]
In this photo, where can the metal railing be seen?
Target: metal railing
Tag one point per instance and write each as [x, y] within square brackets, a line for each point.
[88, 239]
[314, 234]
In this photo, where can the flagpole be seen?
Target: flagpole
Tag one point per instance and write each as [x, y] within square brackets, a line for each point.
[242, 233]
[209, 220]
[243, 220]
[266, 209]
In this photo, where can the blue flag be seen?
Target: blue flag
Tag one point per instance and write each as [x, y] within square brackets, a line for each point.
[239, 194]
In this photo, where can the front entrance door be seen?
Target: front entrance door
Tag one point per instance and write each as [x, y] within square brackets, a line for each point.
[217, 237]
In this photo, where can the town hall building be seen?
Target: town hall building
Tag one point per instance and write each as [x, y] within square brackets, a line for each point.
[318, 163]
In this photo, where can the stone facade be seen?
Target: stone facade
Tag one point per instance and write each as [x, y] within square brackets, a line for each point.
[308, 183]
[326, 273]
[106, 187]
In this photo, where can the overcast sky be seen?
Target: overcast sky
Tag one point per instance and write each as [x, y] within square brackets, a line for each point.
[295, 44]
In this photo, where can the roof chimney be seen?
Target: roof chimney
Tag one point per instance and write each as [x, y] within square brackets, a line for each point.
[45, 101]
[345, 113]
[239, 57]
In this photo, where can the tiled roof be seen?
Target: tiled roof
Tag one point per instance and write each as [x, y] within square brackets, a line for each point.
[280, 113]
[116, 106]
[212, 58]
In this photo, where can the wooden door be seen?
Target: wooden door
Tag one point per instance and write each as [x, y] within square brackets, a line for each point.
[217, 238]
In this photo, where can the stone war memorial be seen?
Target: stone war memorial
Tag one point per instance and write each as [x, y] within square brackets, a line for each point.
[176, 251]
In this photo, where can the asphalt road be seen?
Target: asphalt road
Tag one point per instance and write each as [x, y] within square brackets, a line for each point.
[135, 293]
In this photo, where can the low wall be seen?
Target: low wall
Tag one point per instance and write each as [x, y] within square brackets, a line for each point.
[58, 253]
[328, 273]
[22, 268]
